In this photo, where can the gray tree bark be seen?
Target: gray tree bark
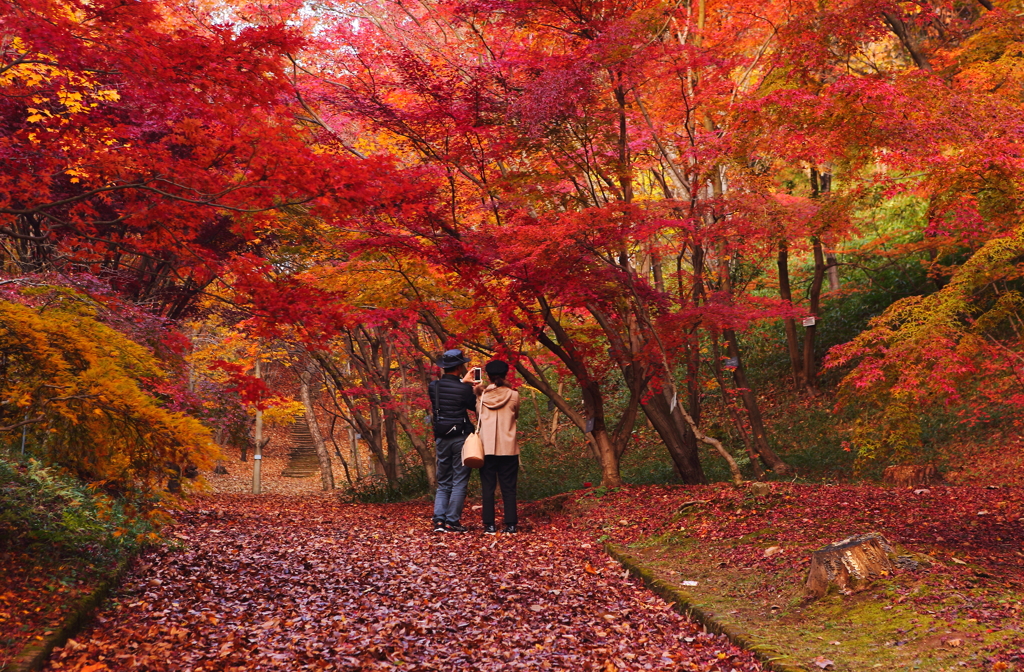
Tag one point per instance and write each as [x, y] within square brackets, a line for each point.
[323, 456]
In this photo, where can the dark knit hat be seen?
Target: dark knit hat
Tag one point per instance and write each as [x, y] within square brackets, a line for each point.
[496, 368]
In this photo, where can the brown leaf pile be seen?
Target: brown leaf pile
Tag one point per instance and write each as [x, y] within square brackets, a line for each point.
[310, 583]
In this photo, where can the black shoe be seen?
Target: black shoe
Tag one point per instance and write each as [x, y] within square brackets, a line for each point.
[490, 529]
[439, 525]
[456, 527]
[511, 529]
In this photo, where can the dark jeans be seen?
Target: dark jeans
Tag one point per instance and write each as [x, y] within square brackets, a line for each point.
[503, 469]
[452, 479]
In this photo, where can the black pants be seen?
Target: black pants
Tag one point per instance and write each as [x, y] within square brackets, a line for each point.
[503, 469]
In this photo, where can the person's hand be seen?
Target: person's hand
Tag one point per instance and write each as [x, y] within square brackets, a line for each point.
[468, 378]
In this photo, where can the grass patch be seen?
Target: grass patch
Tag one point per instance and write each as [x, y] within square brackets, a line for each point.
[954, 601]
[873, 629]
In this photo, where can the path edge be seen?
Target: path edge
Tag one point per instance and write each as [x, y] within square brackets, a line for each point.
[685, 603]
[35, 654]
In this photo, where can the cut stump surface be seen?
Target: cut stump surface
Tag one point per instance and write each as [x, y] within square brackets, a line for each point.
[849, 564]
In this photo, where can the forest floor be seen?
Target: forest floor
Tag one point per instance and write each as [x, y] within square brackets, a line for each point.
[745, 559]
[289, 583]
[298, 579]
[39, 591]
[37, 594]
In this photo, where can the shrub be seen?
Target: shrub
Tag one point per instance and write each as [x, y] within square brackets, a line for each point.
[42, 507]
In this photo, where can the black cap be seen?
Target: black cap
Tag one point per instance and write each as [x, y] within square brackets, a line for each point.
[451, 358]
[496, 368]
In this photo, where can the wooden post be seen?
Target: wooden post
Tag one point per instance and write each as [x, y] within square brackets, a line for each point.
[257, 458]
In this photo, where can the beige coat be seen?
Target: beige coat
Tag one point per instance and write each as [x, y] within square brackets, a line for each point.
[498, 411]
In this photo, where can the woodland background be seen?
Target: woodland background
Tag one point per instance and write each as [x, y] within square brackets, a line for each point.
[718, 240]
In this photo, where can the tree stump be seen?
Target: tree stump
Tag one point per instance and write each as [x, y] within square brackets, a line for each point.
[911, 475]
[849, 564]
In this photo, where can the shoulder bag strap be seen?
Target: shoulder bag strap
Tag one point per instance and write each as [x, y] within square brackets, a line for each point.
[437, 400]
[479, 405]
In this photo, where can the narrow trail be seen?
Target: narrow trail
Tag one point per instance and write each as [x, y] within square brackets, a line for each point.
[288, 583]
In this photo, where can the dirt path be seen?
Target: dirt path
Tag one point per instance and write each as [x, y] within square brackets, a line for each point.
[307, 583]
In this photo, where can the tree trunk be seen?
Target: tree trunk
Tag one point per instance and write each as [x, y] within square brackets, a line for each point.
[773, 461]
[674, 432]
[337, 451]
[810, 373]
[786, 294]
[394, 465]
[832, 266]
[609, 459]
[353, 439]
[608, 447]
[727, 400]
[323, 456]
[899, 28]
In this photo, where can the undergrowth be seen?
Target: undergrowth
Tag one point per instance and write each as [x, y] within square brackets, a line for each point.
[377, 490]
[59, 515]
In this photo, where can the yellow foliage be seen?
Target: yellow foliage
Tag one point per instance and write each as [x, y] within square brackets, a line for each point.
[76, 381]
[283, 414]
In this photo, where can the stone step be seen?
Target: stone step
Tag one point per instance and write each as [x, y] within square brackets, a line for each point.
[302, 459]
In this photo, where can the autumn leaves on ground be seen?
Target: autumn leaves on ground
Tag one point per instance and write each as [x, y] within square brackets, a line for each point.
[307, 583]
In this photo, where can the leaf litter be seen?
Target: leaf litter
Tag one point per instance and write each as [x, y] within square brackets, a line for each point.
[312, 583]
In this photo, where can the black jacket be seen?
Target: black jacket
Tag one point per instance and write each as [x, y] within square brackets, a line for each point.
[450, 398]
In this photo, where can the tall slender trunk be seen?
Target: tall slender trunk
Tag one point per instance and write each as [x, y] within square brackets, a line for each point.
[337, 451]
[692, 350]
[552, 438]
[394, 464]
[810, 331]
[821, 183]
[322, 455]
[832, 267]
[727, 400]
[773, 461]
[786, 294]
[353, 438]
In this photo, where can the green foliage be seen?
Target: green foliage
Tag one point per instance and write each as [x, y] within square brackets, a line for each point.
[61, 515]
[410, 485]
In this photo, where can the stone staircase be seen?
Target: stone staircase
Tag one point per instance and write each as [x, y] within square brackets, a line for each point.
[302, 460]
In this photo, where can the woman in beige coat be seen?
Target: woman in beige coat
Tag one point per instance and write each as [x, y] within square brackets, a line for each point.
[498, 410]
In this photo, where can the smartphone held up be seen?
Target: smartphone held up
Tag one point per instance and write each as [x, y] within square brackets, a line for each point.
[477, 374]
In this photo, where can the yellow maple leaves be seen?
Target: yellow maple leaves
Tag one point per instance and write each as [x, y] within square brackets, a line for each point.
[79, 385]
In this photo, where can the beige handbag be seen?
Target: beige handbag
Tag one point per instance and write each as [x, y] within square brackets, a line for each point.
[473, 447]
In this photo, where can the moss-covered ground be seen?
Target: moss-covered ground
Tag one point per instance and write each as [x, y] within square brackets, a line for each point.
[955, 603]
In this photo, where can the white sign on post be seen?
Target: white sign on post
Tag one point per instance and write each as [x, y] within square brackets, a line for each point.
[809, 321]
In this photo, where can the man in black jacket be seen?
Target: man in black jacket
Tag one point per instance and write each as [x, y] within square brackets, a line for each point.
[451, 396]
